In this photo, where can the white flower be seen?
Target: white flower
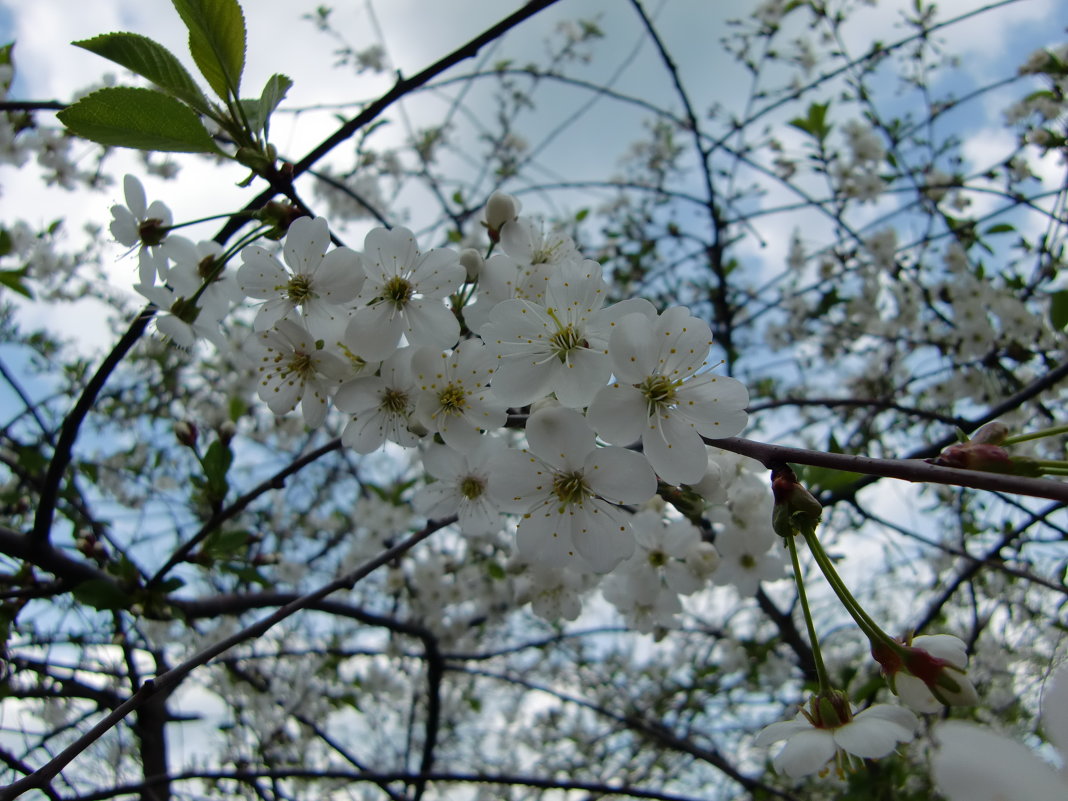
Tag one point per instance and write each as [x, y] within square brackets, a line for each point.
[318, 284]
[567, 490]
[462, 487]
[561, 346]
[138, 223]
[809, 748]
[293, 370]
[659, 559]
[975, 764]
[381, 406]
[191, 264]
[455, 398]
[405, 291]
[661, 397]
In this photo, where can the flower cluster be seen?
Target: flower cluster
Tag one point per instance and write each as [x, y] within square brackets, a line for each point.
[423, 348]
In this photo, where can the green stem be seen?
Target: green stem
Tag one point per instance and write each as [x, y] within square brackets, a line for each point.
[817, 656]
[870, 628]
[1045, 432]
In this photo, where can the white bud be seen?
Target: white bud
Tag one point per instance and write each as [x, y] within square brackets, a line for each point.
[473, 262]
[500, 209]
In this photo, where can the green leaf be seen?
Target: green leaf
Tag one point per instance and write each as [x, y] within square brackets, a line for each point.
[5, 60]
[216, 41]
[150, 60]
[273, 93]
[1000, 228]
[1058, 309]
[815, 124]
[101, 594]
[12, 279]
[145, 119]
[222, 544]
[217, 462]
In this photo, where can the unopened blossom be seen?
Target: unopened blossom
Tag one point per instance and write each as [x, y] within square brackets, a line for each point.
[568, 491]
[461, 487]
[976, 764]
[501, 209]
[318, 283]
[829, 731]
[294, 369]
[405, 293]
[380, 407]
[929, 673]
[662, 396]
[144, 224]
[455, 399]
[560, 345]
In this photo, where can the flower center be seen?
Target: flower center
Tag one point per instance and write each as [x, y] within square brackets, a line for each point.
[300, 364]
[748, 561]
[659, 391]
[657, 558]
[452, 399]
[398, 291]
[472, 487]
[299, 289]
[570, 488]
[394, 401]
[565, 341]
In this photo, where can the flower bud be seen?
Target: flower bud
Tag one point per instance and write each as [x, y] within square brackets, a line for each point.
[227, 429]
[186, 433]
[795, 506]
[473, 262]
[500, 209]
[928, 673]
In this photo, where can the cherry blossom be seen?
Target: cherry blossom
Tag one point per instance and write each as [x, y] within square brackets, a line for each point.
[144, 224]
[318, 283]
[455, 398]
[381, 406]
[567, 490]
[661, 395]
[294, 370]
[560, 346]
[461, 487]
[405, 292]
[812, 742]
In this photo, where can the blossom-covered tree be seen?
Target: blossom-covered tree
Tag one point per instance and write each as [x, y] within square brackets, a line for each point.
[670, 426]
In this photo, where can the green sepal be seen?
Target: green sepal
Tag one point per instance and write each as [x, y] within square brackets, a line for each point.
[145, 119]
[151, 60]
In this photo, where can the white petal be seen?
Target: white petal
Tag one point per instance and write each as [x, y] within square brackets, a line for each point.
[135, 196]
[805, 752]
[633, 349]
[560, 436]
[430, 324]
[374, 332]
[618, 414]
[1055, 713]
[674, 449]
[306, 242]
[619, 475]
[975, 764]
